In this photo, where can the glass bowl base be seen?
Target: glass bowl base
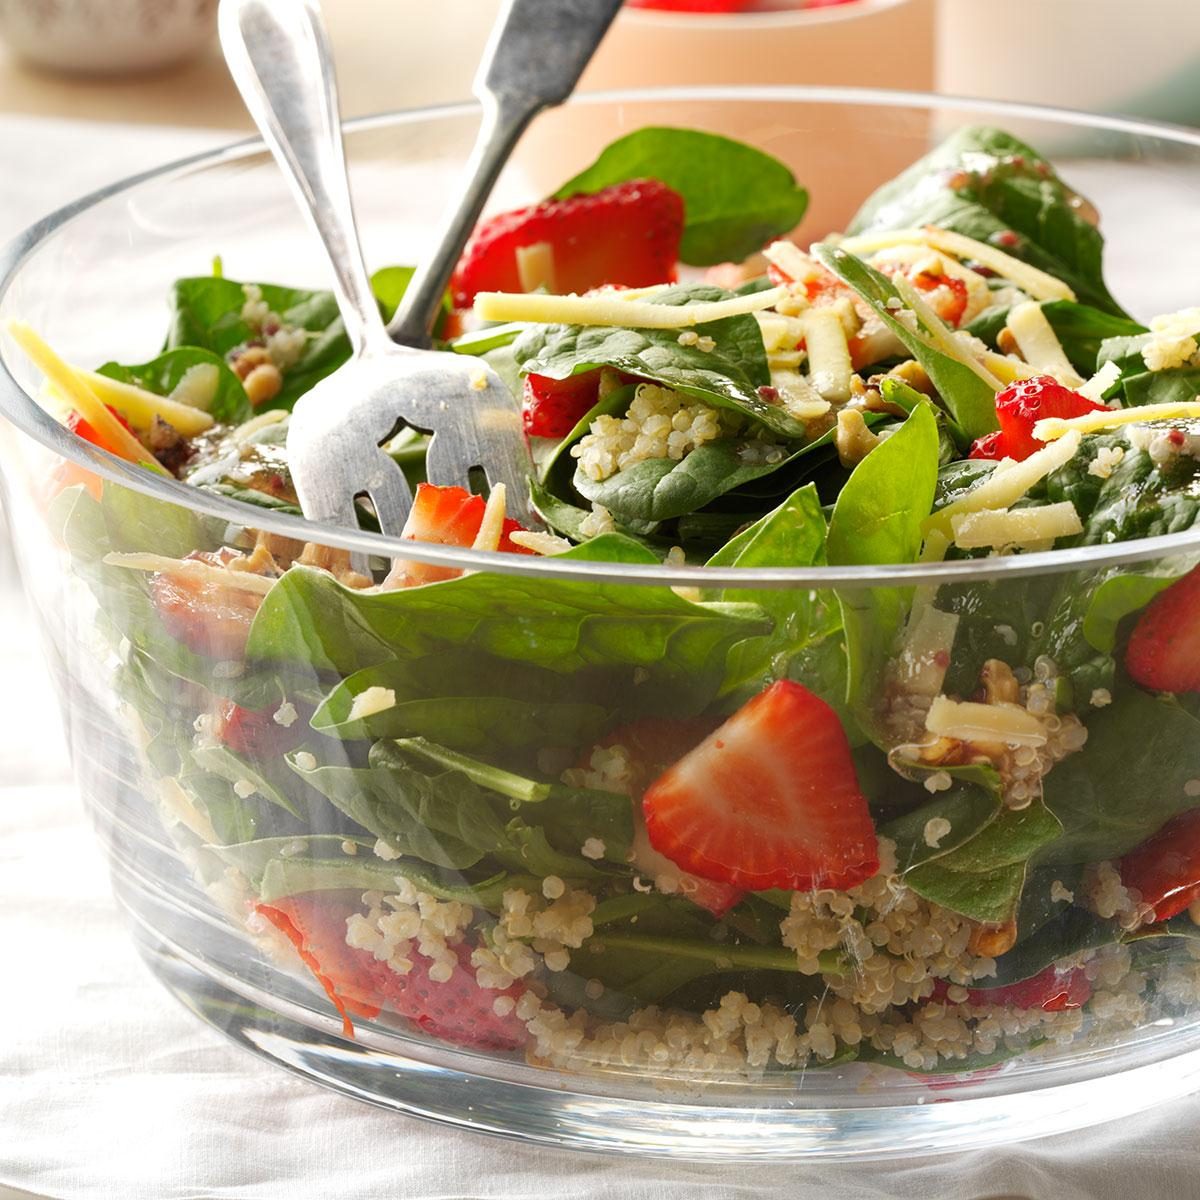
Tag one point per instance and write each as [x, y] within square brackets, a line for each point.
[554, 1116]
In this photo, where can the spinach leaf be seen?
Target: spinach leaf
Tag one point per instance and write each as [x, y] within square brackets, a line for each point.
[736, 198]
[792, 535]
[969, 400]
[206, 313]
[443, 819]
[876, 520]
[1140, 498]
[1049, 930]
[658, 489]
[1139, 385]
[1127, 783]
[728, 376]
[988, 185]
[471, 723]
[1115, 598]
[1080, 329]
[984, 877]
[310, 619]
[161, 376]
[967, 807]
[878, 516]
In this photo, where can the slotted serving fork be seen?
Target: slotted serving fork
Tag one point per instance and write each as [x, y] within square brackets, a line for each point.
[278, 53]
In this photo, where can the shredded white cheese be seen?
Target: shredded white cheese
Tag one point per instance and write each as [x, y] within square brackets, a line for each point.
[1015, 527]
[829, 366]
[1035, 283]
[1050, 429]
[243, 581]
[535, 266]
[1039, 344]
[1006, 485]
[612, 309]
[968, 721]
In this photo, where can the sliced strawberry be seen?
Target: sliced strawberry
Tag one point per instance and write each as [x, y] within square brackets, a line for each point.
[1052, 990]
[947, 295]
[457, 1011]
[653, 744]
[768, 800]
[1020, 406]
[254, 730]
[447, 516]
[627, 234]
[1165, 869]
[84, 429]
[553, 407]
[209, 618]
[1164, 649]
[991, 445]
[311, 931]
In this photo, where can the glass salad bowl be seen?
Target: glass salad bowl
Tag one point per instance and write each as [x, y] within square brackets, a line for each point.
[388, 839]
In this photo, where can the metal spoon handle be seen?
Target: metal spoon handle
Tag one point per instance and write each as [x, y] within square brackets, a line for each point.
[278, 53]
[535, 56]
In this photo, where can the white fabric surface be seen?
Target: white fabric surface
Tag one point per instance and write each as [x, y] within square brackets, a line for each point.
[108, 1088]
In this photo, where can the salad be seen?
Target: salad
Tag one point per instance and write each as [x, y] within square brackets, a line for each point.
[690, 830]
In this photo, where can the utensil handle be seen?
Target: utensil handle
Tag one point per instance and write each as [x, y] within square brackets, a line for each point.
[535, 56]
[279, 56]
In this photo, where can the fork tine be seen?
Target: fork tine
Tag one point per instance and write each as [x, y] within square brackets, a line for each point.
[390, 494]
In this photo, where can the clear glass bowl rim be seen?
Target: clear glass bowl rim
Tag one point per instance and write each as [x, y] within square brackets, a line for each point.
[19, 407]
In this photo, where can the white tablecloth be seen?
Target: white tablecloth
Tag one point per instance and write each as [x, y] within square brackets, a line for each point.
[108, 1088]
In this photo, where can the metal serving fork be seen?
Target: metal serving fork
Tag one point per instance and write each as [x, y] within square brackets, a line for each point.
[278, 53]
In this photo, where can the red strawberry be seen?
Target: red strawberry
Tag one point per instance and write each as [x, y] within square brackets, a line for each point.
[84, 429]
[1021, 405]
[254, 730]
[208, 617]
[1165, 869]
[627, 234]
[447, 516]
[312, 930]
[457, 1011]
[991, 445]
[553, 407]
[948, 295]
[1051, 990]
[654, 744]
[1164, 649]
[768, 800]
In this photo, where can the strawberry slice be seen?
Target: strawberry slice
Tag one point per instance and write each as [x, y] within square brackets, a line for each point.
[448, 516]
[626, 234]
[457, 1011]
[254, 731]
[1021, 405]
[312, 930]
[209, 618]
[654, 744]
[1052, 990]
[991, 445]
[1164, 649]
[768, 800]
[553, 407]
[1165, 869]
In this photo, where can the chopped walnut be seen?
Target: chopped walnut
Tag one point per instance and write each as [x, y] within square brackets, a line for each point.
[853, 439]
[990, 941]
